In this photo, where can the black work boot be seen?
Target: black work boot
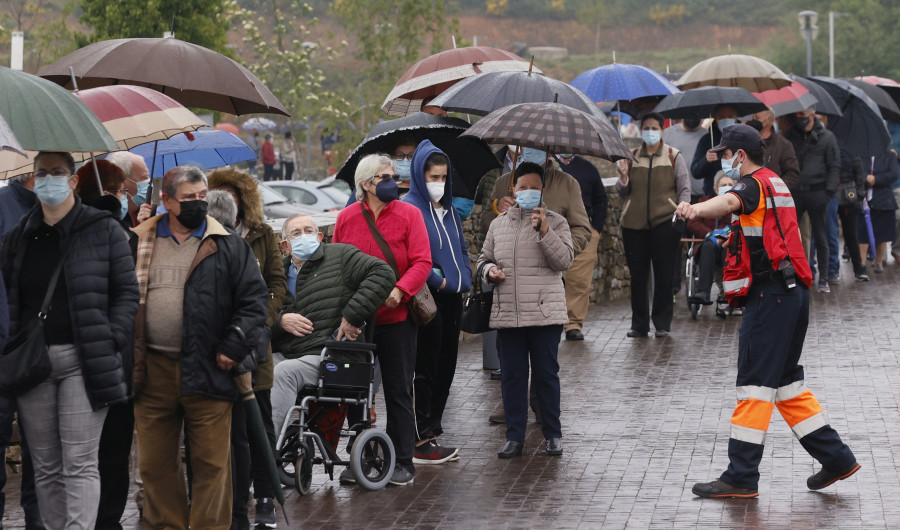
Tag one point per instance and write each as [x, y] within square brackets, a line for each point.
[722, 490]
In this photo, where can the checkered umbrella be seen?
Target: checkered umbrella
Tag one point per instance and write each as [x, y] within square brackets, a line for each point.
[551, 127]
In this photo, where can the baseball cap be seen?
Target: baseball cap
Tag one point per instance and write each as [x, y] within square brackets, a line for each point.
[739, 136]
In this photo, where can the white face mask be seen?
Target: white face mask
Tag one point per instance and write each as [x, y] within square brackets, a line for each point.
[435, 190]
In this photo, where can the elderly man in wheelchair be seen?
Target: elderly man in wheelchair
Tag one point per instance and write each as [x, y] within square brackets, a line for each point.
[709, 254]
[333, 289]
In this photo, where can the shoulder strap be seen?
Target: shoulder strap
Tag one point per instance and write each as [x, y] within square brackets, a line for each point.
[51, 287]
[379, 240]
[671, 157]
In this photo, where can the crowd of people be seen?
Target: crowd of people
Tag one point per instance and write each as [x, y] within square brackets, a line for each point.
[151, 315]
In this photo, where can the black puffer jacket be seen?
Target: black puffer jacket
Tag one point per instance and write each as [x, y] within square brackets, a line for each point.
[819, 157]
[337, 281]
[224, 287]
[101, 289]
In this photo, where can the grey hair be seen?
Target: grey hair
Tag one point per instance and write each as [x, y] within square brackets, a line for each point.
[367, 168]
[123, 160]
[222, 207]
[179, 175]
[284, 227]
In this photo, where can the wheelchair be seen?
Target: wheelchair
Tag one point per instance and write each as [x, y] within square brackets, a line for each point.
[340, 384]
[692, 277]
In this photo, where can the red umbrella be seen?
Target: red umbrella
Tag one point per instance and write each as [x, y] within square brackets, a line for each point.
[229, 127]
[436, 73]
[788, 100]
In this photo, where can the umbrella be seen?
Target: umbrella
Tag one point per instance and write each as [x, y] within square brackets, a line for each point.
[623, 82]
[45, 116]
[190, 74]
[551, 127]
[471, 158]
[228, 127]
[485, 93]
[436, 73]
[257, 123]
[702, 102]
[788, 100]
[861, 126]
[8, 141]
[888, 85]
[206, 149]
[826, 104]
[744, 71]
[880, 96]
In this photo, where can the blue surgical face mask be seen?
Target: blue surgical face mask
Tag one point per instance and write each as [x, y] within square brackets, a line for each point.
[52, 190]
[651, 137]
[123, 202]
[528, 199]
[532, 155]
[304, 246]
[733, 173]
[722, 190]
[404, 168]
[463, 206]
[140, 197]
[725, 122]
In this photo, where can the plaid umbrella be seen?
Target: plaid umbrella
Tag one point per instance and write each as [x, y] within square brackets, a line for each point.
[551, 127]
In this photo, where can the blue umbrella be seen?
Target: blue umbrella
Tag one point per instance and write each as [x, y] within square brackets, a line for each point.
[209, 148]
[623, 82]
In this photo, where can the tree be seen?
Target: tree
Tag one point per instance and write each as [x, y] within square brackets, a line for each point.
[202, 22]
[47, 28]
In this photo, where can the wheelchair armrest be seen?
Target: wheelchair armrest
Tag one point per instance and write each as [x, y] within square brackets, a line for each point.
[347, 345]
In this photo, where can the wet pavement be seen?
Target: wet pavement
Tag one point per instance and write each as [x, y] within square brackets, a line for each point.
[644, 419]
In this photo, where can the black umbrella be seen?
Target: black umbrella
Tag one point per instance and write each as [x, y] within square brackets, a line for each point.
[484, 93]
[826, 104]
[700, 103]
[861, 127]
[471, 158]
[889, 109]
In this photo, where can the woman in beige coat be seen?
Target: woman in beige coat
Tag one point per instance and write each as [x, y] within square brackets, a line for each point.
[525, 252]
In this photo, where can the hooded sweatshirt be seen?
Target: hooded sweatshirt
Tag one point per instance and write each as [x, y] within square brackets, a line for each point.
[449, 252]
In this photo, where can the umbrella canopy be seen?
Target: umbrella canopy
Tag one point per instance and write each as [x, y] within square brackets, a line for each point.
[551, 127]
[744, 71]
[258, 123]
[880, 96]
[471, 158]
[482, 94]
[826, 104]
[206, 149]
[8, 141]
[788, 100]
[888, 85]
[702, 102]
[623, 82]
[861, 126]
[135, 115]
[191, 75]
[228, 127]
[436, 73]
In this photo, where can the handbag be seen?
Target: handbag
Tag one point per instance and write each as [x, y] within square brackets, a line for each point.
[848, 196]
[25, 361]
[476, 315]
[422, 308]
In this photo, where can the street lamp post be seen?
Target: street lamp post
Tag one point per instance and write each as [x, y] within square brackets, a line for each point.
[831, 16]
[809, 30]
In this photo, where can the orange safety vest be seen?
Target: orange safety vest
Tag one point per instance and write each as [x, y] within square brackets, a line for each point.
[772, 226]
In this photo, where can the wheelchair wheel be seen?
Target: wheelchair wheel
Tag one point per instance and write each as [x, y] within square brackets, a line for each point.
[372, 459]
[303, 471]
[286, 458]
[695, 310]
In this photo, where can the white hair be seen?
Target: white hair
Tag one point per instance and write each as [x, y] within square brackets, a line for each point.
[367, 168]
[292, 218]
[221, 207]
[123, 160]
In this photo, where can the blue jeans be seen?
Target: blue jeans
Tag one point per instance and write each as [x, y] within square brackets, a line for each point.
[834, 240]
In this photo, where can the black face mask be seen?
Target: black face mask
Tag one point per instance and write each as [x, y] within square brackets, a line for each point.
[691, 123]
[801, 122]
[193, 213]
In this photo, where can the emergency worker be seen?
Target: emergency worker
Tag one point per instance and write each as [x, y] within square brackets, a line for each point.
[766, 270]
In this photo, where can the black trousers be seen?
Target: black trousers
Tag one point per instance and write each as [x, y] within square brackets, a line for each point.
[656, 246]
[815, 204]
[849, 217]
[437, 349]
[710, 258]
[288, 170]
[246, 460]
[115, 477]
[262, 484]
[268, 172]
[28, 496]
[397, 355]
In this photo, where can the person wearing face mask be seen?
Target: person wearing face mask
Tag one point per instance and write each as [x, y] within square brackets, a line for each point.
[203, 306]
[685, 136]
[431, 192]
[402, 154]
[402, 227]
[88, 331]
[767, 273]
[780, 156]
[137, 182]
[820, 167]
[710, 254]
[650, 187]
[331, 286]
[703, 166]
[250, 225]
[526, 250]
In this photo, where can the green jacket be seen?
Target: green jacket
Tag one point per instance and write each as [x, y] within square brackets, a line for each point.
[337, 281]
[264, 243]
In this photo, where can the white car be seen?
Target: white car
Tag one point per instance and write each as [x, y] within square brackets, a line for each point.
[309, 194]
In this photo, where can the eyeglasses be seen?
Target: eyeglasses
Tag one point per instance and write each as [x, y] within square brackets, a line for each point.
[58, 172]
[385, 177]
[401, 156]
[308, 231]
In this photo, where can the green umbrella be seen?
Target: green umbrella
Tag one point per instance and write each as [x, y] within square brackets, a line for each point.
[46, 117]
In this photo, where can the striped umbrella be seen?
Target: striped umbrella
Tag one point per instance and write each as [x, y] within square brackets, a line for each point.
[788, 100]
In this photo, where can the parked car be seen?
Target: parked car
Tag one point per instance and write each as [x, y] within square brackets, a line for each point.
[277, 206]
[307, 194]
